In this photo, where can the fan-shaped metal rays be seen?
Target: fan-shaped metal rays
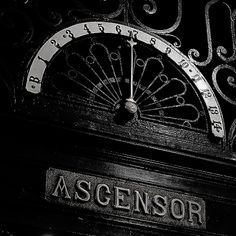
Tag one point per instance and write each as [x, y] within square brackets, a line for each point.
[161, 98]
[101, 79]
[96, 75]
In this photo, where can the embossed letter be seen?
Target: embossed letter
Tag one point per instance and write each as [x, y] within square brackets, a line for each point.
[195, 211]
[82, 189]
[106, 199]
[144, 202]
[61, 187]
[160, 202]
[177, 209]
[119, 198]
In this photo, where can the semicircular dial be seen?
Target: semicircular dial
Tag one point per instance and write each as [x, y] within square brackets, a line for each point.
[122, 69]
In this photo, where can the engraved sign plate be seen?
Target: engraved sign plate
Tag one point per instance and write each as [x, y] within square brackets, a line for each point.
[129, 199]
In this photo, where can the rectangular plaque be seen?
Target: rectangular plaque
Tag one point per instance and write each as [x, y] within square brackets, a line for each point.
[123, 198]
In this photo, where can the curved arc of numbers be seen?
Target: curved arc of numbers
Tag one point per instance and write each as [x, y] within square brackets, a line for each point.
[61, 38]
[158, 31]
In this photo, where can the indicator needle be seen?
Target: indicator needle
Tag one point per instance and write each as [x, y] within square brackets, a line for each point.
[132, 44]
[130, 104]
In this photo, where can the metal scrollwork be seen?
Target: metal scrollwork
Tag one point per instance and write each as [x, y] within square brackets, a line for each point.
[231, 81]
[226, 90]
[195, 52]
[176, 41]
[99, 78]
[150, 8]
[222, 51]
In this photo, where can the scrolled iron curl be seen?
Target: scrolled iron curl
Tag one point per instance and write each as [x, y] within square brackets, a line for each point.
[51, 18]
[221, 50]
[230, 82]
[150, 7]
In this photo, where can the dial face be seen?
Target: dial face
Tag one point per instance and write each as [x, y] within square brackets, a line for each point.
[122, 69]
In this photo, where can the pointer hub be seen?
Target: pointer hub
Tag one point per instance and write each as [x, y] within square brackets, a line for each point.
[131, 106]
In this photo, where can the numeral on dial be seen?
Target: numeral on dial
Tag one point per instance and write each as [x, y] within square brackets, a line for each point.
[213, 110]
[196, 78]
[101, 28]
[118, 29]
[133, 34]
[87, 29]
[183, 64]
[153, 41]
[206, 93]
[217, 125]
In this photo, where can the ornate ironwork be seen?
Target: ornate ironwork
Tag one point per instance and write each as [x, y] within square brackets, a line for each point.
[152, 18]
[221, 51]
[226, 85]
[195, 52]
[26, 24]
[150, 7]
[99, 77]
[110, 31]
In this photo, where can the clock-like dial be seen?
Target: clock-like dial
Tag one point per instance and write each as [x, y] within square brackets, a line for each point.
[123, 69]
